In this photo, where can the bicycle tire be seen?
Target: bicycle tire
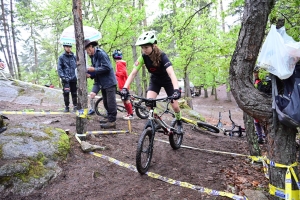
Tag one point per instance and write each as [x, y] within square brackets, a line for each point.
[141, 111]
[175, 139]
[208, 127]
[101, 111]
[144, 146]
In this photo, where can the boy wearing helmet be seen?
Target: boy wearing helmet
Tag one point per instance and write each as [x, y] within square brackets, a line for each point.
[121, 74]
[66, 70]
[105, 80]
[161, 70]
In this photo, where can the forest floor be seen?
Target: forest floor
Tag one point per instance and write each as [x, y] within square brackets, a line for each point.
[86, 176]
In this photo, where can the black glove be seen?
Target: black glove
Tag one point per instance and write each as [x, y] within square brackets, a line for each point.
[124, 93]
[177, 94]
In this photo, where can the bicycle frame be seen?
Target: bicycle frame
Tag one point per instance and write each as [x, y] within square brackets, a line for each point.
[146, 140]
[153, 117]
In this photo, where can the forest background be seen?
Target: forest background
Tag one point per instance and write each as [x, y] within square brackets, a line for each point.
[198, 36]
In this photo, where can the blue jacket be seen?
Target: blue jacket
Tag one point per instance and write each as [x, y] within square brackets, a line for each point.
[105, 75]
[66, 67]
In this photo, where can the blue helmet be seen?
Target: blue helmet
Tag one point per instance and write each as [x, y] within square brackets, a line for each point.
[117, 54]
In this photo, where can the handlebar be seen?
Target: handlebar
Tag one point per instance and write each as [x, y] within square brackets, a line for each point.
[152, 100]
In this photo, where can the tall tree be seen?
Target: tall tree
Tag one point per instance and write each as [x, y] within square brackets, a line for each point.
[281, 139]
[81, 121]
[6, 33]
[13, 32]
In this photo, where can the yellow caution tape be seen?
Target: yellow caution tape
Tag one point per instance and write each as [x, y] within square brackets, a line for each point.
[82, 113]
[33, 113]
[288, 193]
[172, 181]
[106, 132]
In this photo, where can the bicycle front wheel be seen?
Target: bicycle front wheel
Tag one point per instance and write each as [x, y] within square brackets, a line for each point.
[208, 127]
[176, 139]
[99, 108]
[142, 111]
[144, 151]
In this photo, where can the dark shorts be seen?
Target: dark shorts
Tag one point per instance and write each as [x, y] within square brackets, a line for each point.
[157, 83]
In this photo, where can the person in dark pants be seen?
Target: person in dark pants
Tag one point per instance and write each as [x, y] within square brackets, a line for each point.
[259, 128]
[105, 80]
[66, 71]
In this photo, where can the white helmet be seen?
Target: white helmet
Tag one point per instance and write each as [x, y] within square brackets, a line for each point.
[146, 38]
[67, 44]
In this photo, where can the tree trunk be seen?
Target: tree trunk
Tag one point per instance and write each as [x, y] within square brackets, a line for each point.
[212, 92]
[253, 146]
[205, 93]
[228, 92]
[187, 90]
[216, 94]
[281, 140]
[5, 27]
[81, 122]
[14, 40]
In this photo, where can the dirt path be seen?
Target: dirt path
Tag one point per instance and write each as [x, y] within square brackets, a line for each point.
[87, 176]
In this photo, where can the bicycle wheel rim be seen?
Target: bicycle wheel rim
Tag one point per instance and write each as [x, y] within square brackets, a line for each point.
[208, 127]
[144, 152]
[99, 108]
[175, 139]
[142, 112]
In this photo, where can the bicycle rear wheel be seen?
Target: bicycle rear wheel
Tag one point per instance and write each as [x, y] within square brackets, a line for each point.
[208, 127]
[141, 111]
[144, 151]
[101, 111]
[176, 139]
[99, 108]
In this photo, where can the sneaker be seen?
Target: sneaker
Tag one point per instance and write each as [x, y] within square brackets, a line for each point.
[128, 117]
[108, 125]
[67, 109]
[75, 109]
[179, 127]
[103, 121]
[260, 141]
[91, 112]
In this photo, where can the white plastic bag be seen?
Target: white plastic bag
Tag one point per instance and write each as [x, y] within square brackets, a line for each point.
[277, 56]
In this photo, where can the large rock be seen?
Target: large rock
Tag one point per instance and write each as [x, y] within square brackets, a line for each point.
[29, 154]
[26, 93]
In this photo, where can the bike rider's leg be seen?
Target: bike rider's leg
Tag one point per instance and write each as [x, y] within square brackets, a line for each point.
[259, 131]
[73, 89]
[66, 92]
[177, 112]
[128, 107]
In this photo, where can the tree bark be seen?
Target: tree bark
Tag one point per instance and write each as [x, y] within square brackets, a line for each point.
[14, 40]
[81, 123]
[5, 27]
[281, 140]
[205, 93]
[253, 146]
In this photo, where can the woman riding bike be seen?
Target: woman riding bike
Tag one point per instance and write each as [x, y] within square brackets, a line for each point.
[161, 70]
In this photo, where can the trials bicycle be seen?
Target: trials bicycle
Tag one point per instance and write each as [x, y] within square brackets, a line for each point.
[146, 141]
[140, 110]
[200, 124]
[234, 127]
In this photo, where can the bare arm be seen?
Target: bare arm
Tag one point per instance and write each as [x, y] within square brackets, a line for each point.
[130, 78]
[173, 77]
